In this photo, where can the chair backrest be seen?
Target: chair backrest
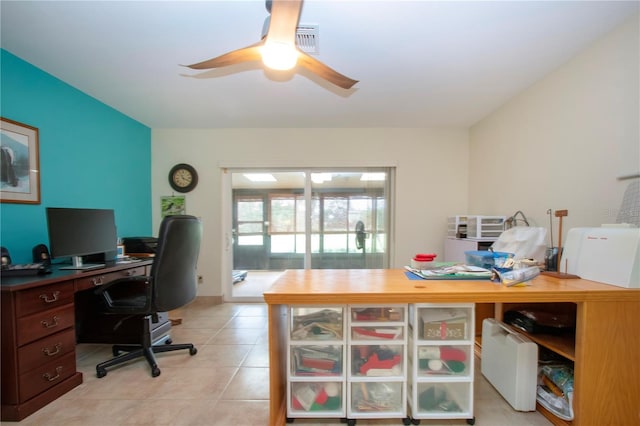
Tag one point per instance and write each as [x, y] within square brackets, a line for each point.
[173, 272]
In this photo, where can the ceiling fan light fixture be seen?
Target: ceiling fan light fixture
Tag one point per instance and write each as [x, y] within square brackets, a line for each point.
[279, 55]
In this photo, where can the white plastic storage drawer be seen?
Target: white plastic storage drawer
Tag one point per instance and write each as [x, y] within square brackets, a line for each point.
[485, 227]
[311, 360]
[322, 324]
[457, 226]
[444, 323]
[444, 400]
[316, 399]
[444, 360]
[381, 333]
[377, 361]
[373, 398]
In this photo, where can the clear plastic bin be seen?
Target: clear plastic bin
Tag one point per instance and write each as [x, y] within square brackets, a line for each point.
[317, 323]
[315, 399]
[377, 361]
[311, 360]
[443, 360]
[377, 397]
[377, 314]
[450, 399]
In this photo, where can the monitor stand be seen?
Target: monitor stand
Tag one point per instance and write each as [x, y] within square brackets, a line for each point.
[78, 265]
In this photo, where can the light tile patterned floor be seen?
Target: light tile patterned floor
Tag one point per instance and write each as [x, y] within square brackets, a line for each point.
[225, 383]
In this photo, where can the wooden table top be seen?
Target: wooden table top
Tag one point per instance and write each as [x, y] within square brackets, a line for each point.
[340, 286]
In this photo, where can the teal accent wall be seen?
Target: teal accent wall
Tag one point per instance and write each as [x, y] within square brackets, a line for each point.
[91, 156]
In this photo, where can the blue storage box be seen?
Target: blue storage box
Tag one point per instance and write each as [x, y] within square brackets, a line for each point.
[487, 259]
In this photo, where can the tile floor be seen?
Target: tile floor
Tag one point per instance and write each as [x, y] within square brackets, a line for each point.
[225, 383]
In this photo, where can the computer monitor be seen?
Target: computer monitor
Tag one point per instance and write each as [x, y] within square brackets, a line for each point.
[77, 232]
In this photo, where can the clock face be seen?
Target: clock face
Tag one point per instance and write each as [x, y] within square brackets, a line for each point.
[183, 178]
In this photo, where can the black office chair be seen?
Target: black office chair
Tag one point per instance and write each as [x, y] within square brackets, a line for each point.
[171, 285]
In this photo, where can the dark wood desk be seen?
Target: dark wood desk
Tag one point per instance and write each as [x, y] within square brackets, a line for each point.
[38, 334]
[604, 350]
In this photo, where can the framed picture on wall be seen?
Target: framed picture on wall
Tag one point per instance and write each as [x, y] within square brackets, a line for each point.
[173, 205]
[19, 163]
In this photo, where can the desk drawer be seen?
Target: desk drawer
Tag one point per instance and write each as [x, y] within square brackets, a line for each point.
[46, 350]
[46, 376]
[100, 279]
[43, 324]
[44, 298]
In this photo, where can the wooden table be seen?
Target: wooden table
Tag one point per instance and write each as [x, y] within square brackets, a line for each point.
[606, 349]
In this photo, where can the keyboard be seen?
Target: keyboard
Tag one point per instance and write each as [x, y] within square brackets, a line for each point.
[24, 269]
[126, 260]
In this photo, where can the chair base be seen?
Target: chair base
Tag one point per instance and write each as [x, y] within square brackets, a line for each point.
[137, 351]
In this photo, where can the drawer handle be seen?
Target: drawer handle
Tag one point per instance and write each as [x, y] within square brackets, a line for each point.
[97, 281]
[46, 298]
[46, 324]
[48, 377]
[48, 352]
[130, 272]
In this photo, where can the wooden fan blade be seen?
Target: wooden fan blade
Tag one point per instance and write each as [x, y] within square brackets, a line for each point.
[323, 71]
[284, 21]
[246, 54]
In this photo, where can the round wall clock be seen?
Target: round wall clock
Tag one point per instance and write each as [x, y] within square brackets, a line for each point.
[183, 177]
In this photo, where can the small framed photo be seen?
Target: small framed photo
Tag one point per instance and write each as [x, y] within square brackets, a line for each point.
[172, 205]
[19, 163]
[120, 251]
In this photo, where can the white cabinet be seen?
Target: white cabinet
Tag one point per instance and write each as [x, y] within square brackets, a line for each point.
[441, 361]
[316, 376]
[347, 361]
[454, 248]
[377, 351]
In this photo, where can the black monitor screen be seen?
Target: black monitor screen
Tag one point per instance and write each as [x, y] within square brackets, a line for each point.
[79, 232]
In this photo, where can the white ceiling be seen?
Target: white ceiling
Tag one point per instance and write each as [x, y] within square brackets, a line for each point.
[420, 63]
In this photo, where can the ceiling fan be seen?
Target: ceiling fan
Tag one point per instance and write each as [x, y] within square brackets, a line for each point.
[278, 49]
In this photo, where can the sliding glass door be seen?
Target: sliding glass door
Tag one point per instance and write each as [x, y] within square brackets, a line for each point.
[308, 219]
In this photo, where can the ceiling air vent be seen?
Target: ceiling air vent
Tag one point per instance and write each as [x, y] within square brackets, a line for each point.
[307, 38]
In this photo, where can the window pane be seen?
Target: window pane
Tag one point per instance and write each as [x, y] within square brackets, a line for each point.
[335, 243]
[315, 243]
[381, 242]
[381, 208]
[300, 243]
[282, 243]
[250, 210]
[282, 215]
[250, 240]
[335, 215]
[250, 228]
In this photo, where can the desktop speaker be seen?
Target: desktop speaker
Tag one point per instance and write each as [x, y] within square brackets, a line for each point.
[41, 254]
[6, 258]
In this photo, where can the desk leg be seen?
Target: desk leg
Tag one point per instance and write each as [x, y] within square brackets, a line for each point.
[607, 372]
[277, 361]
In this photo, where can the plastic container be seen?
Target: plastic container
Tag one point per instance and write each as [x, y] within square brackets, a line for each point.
[487, 259]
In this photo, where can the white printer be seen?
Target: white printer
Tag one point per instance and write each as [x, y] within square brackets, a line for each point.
[609, 254]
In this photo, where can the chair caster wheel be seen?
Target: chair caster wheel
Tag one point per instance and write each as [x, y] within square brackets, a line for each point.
[155, 372]
[406, 421]
[471, 421]
[101, 372]
[193, 351]
[415, 421]
[168, 341]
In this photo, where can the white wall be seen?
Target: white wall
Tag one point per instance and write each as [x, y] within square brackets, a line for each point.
[562, 143]
[431, 171]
